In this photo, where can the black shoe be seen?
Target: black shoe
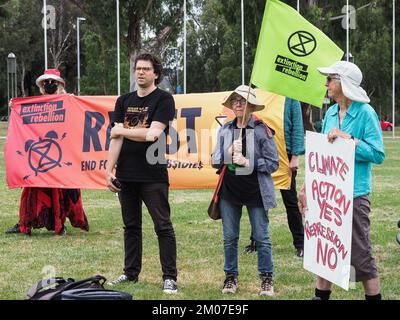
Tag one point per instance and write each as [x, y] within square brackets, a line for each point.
[63, 231]
[230, 284]
[14, 229]
[170, 286]
[300, 253]
[251, 247]
[122, 279]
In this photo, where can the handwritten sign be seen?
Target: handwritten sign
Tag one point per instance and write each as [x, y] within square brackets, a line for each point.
[329, 177]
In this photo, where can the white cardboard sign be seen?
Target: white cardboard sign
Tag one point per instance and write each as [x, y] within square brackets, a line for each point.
[329, 177]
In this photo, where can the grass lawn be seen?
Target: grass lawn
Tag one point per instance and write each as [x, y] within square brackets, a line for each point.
[25, 260]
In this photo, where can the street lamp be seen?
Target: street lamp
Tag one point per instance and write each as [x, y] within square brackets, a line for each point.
[11, 78]
[78, 53]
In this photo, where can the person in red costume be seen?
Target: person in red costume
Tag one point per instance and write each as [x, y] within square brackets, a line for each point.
[49, 207]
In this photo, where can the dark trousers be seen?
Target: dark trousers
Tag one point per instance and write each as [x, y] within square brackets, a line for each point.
[294, 217]
[155, 197]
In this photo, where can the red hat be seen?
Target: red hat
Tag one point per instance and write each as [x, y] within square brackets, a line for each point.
[50, 74]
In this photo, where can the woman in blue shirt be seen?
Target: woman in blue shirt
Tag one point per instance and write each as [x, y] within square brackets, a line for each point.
[353, 118]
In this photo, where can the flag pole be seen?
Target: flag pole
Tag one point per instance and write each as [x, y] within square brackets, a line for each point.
[245, 110]
[347, 30]
[394, 71]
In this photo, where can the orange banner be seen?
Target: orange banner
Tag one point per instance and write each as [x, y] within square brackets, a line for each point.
[61, 141]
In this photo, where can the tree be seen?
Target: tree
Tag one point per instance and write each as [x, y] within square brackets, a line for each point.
[148, 23]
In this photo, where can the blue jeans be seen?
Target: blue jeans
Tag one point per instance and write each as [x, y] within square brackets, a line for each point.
[231, 215]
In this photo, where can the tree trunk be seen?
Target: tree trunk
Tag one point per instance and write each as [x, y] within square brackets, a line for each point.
[134, 42]
[59, 43]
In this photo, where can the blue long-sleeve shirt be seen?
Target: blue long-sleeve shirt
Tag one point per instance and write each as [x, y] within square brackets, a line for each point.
[360, 121]
[293, 126]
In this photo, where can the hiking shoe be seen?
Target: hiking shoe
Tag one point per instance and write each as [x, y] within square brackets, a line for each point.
[14, 229]
[251, 247]
[299, 253]
[121, 279]
[63, 231]
[230, 285]
[267, 286]
[170, 286]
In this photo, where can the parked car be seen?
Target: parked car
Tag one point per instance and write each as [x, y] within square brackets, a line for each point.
[386, 125]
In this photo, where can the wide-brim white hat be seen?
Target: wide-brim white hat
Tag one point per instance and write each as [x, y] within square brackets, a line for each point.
[50, 74]
[243, 91]
[350, 78]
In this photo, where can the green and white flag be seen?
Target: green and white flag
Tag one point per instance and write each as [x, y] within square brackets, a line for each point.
[289, 51]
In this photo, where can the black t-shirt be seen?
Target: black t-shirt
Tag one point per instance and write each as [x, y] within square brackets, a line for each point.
[241, 189]
[139, 112]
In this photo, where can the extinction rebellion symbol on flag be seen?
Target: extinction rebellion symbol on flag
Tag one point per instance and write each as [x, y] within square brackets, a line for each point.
[302, 43]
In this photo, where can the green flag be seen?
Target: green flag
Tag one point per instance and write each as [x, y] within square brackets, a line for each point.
[289, 51]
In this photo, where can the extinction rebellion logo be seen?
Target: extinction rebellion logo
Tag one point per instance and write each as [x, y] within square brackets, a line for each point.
[45, 153]
[300, 44]
[45, 112]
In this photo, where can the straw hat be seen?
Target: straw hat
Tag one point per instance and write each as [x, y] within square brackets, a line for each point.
[243, 91]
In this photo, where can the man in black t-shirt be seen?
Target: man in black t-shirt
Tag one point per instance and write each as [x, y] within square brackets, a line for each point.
[141, 121]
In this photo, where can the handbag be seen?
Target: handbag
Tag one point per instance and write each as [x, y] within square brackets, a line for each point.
[213, 209]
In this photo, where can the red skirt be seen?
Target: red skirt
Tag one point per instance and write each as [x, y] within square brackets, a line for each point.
[49, 208]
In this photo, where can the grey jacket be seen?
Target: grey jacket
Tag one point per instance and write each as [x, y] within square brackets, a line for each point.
[261, 150]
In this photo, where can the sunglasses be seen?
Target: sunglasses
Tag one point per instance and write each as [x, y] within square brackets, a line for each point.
[329, 78]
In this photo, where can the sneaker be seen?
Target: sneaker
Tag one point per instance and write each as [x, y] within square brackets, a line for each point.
[121, 279]
[63, 231]
[230, 285]
[267, 286]
[170, 286]
[299, 253]
[251, 247]
[14, 229]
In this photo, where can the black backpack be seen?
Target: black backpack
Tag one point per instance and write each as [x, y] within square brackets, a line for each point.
[94, 294]
[52, 288]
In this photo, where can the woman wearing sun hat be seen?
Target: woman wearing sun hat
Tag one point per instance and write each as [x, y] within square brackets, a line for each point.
[248, 146]
[353, 118]
[49, 207]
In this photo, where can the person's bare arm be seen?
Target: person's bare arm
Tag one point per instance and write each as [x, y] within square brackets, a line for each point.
[140, 134]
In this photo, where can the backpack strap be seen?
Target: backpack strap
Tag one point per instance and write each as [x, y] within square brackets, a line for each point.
[268, 131]
[42, 284]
